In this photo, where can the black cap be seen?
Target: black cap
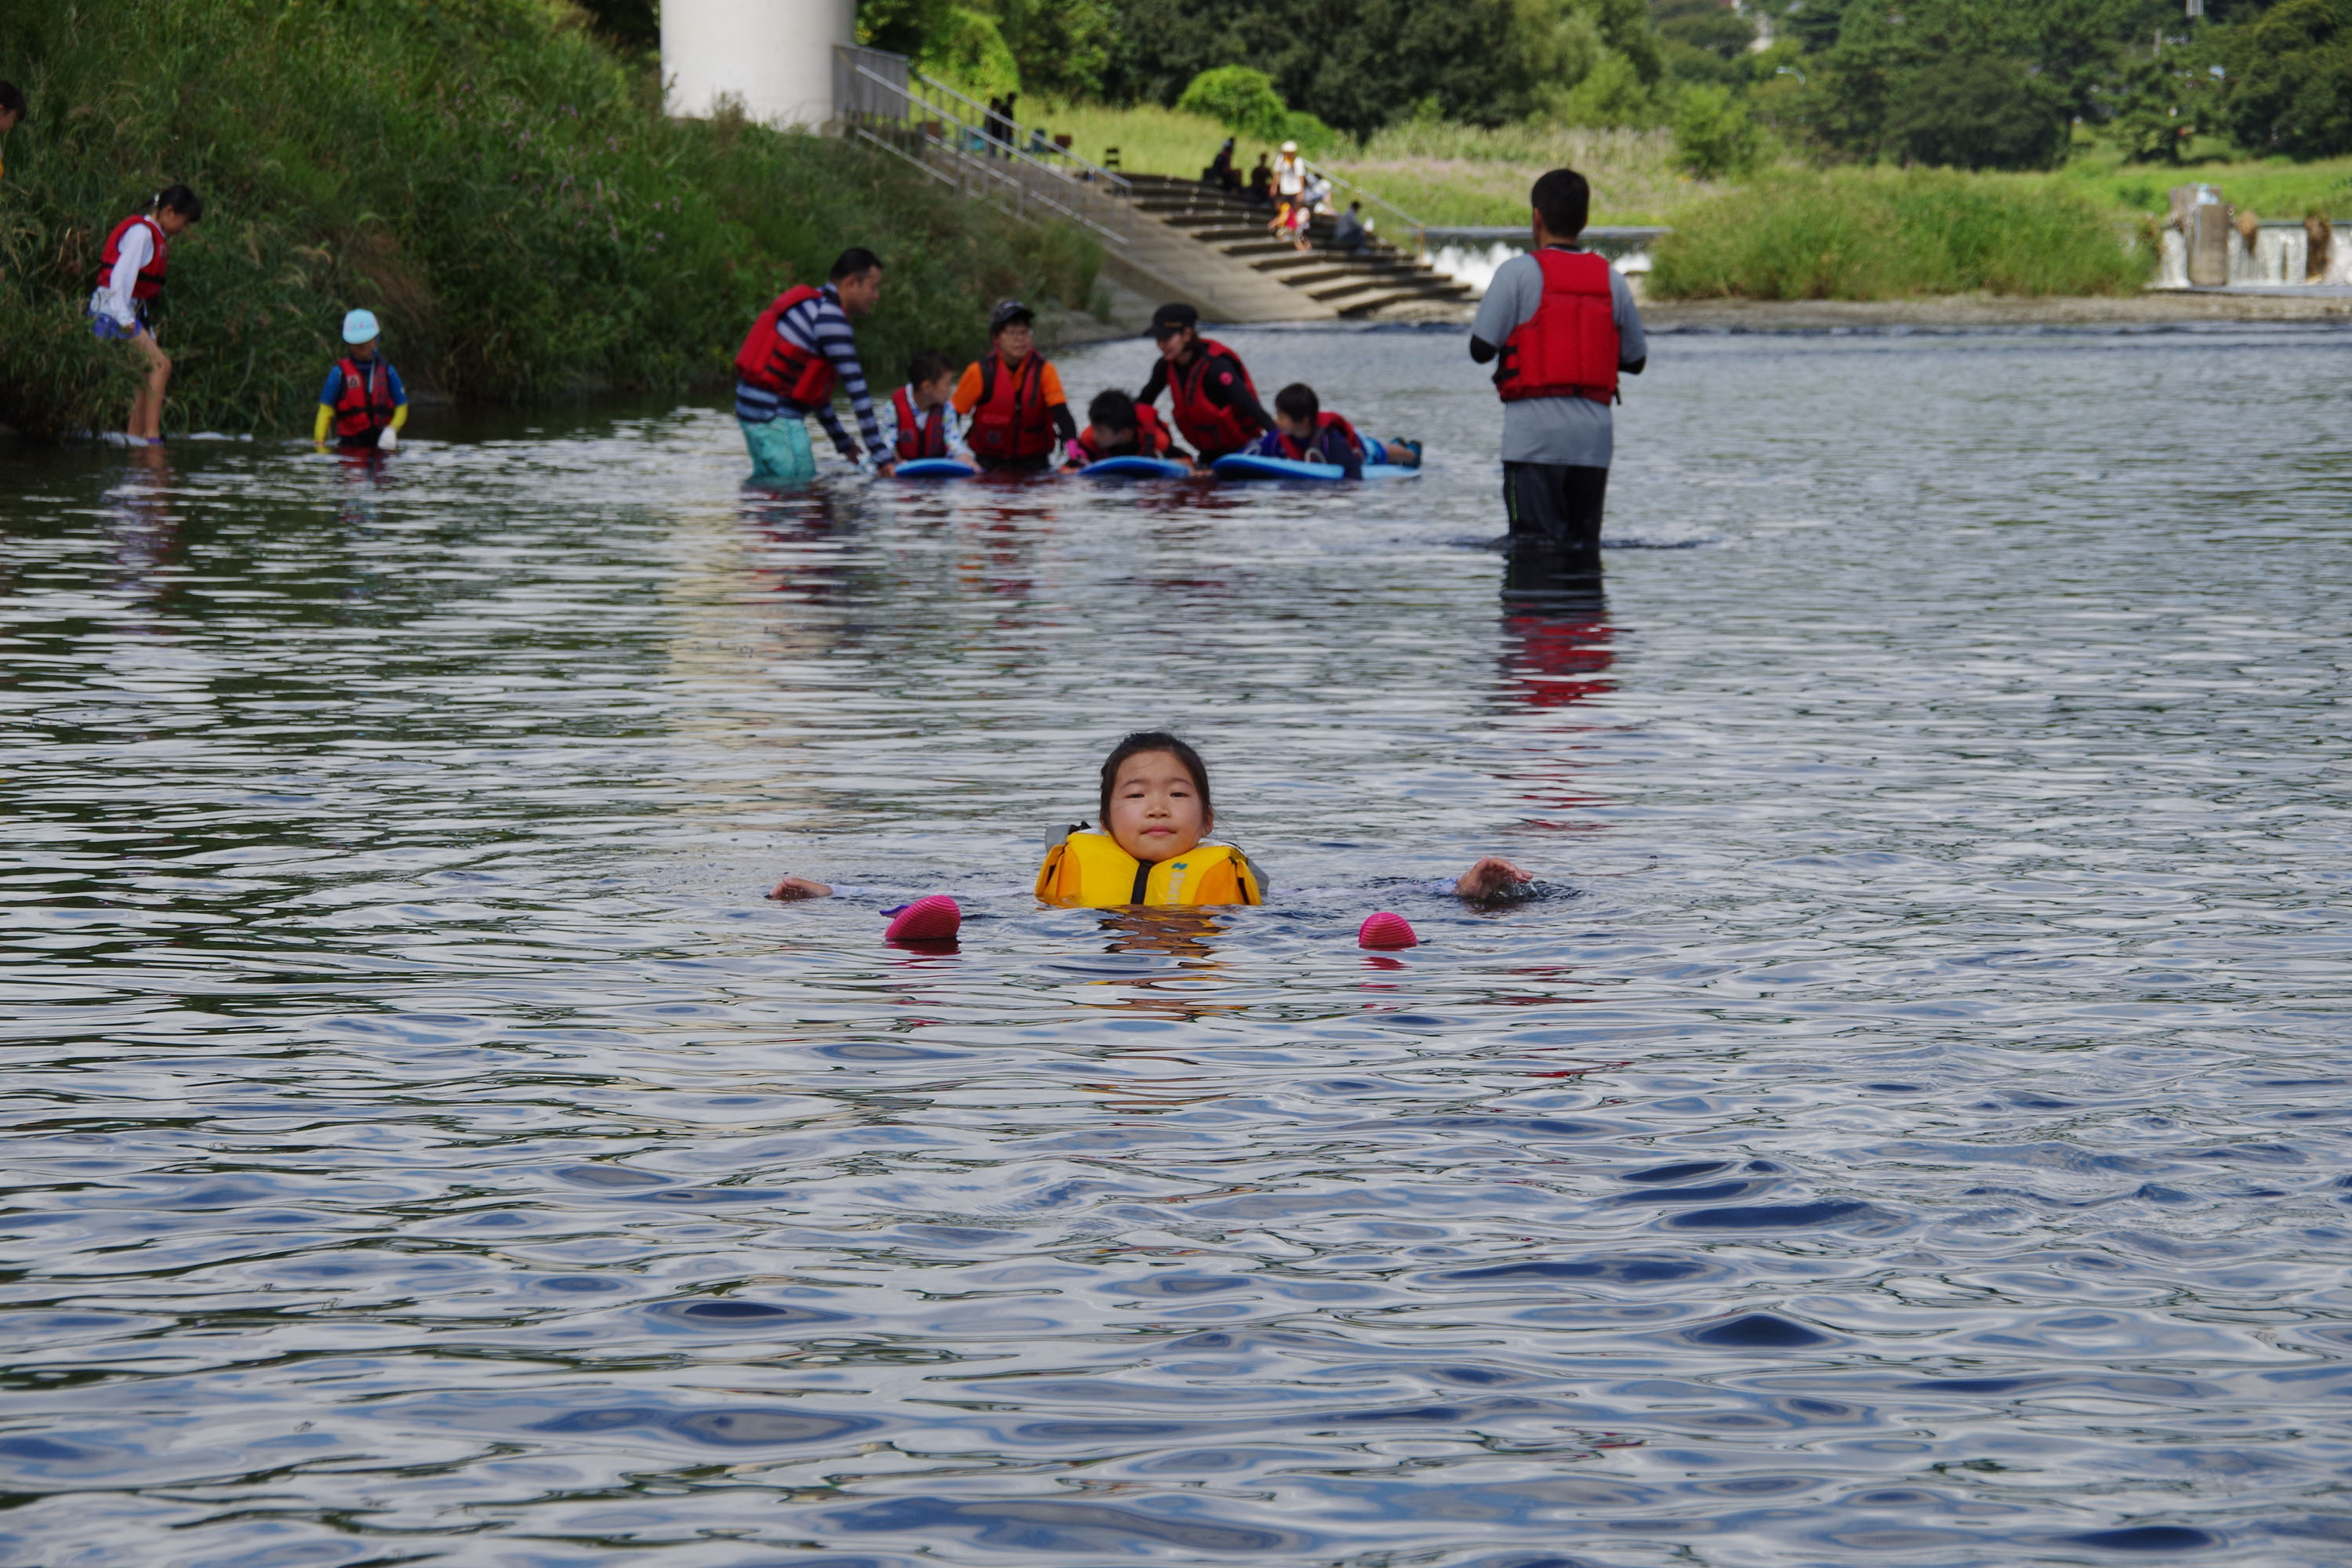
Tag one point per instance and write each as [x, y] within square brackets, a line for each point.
[1170, 318]
[1008, 311]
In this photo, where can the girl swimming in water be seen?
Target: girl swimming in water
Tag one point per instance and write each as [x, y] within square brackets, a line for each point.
[1153, 845]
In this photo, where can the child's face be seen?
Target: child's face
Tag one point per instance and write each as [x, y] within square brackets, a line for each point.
[1297, 429]
[932, 394]
[1109, 439]
[365, 350]
[1155, 812]
[1015, 342]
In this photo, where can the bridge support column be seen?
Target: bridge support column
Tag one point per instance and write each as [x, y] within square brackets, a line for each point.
[772, 56]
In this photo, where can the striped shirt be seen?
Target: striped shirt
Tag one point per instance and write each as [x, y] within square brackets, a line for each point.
[818, 325]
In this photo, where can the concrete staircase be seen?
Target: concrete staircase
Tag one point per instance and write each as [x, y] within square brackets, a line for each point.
[1323, 282]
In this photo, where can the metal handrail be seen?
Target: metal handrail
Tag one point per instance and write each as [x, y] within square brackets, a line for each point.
[1110, 178]
[1008, 171]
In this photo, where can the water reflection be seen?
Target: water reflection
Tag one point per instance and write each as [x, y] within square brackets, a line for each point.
[1903, 1130]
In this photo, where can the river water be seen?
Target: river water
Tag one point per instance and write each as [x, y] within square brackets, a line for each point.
[1909, 1126]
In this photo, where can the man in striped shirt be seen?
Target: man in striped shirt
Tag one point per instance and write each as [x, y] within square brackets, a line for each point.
[798, 351]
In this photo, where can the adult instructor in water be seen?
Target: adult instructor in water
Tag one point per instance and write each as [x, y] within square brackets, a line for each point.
[1558, 324]
[1209, 389]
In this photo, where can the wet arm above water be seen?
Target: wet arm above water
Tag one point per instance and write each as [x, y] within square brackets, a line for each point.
[1154, 384]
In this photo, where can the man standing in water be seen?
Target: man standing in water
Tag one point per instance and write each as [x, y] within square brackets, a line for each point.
[796, 352]
[1560, 325]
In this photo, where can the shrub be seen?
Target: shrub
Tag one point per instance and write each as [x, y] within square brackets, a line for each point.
[1241, 99]
[483, 174]
[1714, 135]
[1857, 234]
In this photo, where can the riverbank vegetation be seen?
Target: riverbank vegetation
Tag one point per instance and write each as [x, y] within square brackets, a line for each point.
[490, 178]
[1881, 234]
[1686, 112]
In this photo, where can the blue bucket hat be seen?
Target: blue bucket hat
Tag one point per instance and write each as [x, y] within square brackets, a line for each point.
[360, 326]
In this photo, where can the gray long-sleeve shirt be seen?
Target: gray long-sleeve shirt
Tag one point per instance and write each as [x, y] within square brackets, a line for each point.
[1573, 431]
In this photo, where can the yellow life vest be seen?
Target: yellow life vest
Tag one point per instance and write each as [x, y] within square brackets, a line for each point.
[1085, 869]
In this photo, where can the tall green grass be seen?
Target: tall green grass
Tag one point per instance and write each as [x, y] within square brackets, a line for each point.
[503, 192]
[1865, 233]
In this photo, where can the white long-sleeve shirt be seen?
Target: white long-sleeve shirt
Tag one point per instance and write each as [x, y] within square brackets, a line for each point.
[113, 295]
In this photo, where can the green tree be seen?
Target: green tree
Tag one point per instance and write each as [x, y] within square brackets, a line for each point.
[2288, 78]
[1713, 133]
[1359, 64]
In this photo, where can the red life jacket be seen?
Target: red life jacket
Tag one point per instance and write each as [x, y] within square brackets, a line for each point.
[1011, 423]
[150, 282]
[919, 434]
[774, 363]
[1212, 427]
[1150, 438]
[365, 406]
[1296, 450]
[1569, 347]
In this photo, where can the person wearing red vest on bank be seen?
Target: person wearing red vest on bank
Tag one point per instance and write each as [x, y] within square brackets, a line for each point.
[1120, 427]
[1209, 389]
[795, 353]
[1560, 326]
[922, 424]
[129, 274]
[363, 402]
[1018, 416]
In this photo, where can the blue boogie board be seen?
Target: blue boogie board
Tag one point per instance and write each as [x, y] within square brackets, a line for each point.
[1134, 468]
[934, 468]
[1246, 466]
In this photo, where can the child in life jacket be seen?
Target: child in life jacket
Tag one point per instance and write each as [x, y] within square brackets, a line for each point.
[925, 426]
[1304, 433]
[1120, 427]
[362, 402]
[1152, 847]
[1018, 416]
[131, 267]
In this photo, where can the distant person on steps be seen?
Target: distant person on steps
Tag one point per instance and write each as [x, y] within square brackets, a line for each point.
[1560, 326]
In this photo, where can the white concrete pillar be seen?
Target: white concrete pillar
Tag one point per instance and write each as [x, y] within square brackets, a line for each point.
[775, 57]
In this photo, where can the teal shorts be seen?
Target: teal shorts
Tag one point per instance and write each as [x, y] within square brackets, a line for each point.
[779, 449]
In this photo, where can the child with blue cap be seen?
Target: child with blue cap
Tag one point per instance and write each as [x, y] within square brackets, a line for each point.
[362, 401]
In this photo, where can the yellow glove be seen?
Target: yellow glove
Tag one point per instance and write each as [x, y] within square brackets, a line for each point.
[319, 427]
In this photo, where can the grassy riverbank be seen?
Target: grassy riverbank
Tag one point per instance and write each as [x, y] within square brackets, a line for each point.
[1438, 171]
[1882, 234]
[483, 173]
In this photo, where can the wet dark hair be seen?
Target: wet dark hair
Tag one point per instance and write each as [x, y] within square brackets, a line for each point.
[1113, 410]
[12, 99]
[1298, 401]
[181, 200]
[1563, 199]
[855, 262]
[929, 365]
[1141, 741]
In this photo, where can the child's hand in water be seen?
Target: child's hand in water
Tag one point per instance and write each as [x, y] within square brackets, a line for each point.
[1490, 877]
[793, 888]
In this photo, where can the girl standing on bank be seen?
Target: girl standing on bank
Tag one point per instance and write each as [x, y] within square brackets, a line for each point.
[129, 276]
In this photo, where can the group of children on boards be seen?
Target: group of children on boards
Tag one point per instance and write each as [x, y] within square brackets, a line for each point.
[1015, 414]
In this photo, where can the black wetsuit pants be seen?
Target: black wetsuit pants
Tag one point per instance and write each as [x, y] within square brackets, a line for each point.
[1555, 513]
